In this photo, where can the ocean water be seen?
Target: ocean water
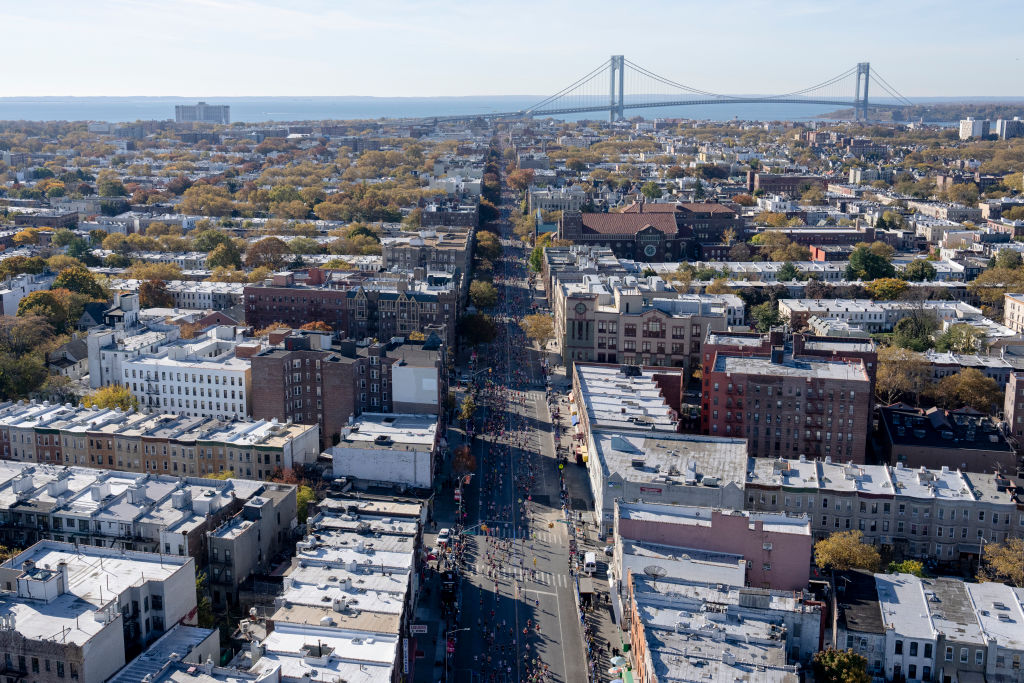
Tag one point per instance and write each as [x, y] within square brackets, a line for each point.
[259, 109]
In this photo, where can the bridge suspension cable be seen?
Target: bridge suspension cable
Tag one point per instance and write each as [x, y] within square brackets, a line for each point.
[884, 85]
[574, 86]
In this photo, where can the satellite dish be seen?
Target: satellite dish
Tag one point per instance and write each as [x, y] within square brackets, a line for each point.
[655, 571]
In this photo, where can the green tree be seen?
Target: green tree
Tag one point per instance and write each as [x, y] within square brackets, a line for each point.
[111, 396]
[208, 240]
[78, 279]
[766, 316]
[840, 666]
[963, 193]
[483, 293]
[789, 272]
[204, 608]
[960, 338]
[21, 375]
[915, 331]
[845, 550]
[108, 184]
[1008, 258]
[62, 237]
[478, 328]
[918, 270]
[865, 264]
[537, 259]
[651, 190]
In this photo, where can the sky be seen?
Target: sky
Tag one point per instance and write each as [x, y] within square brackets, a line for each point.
[195, 48]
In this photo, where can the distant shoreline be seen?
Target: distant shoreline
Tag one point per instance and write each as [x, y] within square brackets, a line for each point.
[115, 109]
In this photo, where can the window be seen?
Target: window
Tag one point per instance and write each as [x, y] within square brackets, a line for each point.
[949, 654]
[963, 655]
[979, 657]
[899, 647]
[913, 649]
[927, 650]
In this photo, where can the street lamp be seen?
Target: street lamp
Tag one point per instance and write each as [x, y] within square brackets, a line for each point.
[446, 654]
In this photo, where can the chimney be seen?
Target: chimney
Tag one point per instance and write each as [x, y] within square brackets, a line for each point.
[778, 355]
[246, 350]
[277, 336]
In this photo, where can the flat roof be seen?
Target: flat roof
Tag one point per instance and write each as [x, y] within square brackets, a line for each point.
[790, 367]
[680, 457]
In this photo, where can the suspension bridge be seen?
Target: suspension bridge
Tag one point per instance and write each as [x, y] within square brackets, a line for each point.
[620, 84]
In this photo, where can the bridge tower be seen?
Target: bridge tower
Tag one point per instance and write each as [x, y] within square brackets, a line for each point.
[616, 99]
[860, 100]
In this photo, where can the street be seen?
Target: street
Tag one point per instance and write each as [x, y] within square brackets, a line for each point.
[518, 601]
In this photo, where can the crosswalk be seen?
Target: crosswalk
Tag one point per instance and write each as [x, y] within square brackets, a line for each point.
[524, 578]
[539, 536]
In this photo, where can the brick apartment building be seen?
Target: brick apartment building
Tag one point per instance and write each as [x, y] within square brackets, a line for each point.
[308, 379]
[787, 183]
[652, 232]
[777, 547]
[787, 404]
[354, 305]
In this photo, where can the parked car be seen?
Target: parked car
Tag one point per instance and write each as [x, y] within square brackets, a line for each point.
[443, 537]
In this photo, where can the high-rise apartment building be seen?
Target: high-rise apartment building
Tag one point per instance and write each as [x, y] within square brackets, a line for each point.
[202, 112]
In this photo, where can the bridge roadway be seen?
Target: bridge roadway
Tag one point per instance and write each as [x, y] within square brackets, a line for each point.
[527, 113]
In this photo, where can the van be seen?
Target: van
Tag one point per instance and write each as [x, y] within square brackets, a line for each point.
[589, 563]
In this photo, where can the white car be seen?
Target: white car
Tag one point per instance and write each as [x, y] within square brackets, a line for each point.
[443, 536]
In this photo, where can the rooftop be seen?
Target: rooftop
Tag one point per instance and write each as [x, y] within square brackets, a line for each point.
[802, 367]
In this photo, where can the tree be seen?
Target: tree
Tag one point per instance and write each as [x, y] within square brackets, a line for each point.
[886, 288]
[204, 608]
[108, 184]
[991, 285]
[111, 396]
[317, 326]
[478, 328]
[739, 252]
[766, 316]
[46, 304]
[845, 550]
[963, 193]
[464, 461]
[840, 666]
[865, 264]
[521, 179]
[78, 279]
[718, 286]
[62, 237]
[744, 200]
[651, 190]
[919, 270]
[468, 408]
[901, 374]
[488, 245]
[21, 375]
[813, 195]
[1003, 562]
[915, 331]
[483, 293]
[224, 255]
[538, 327]
[270, 251]
[772, 219]
[59, 389]
[16, 265]
[537, 259]
[141, 270]
[969, 387]
[1008, 258]
[488, 212]
[153, 294]
[20, 335]
[960, 338]
[789, 272]
[906, 567]
[304, 495]
[208, 240]
[25, 237]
